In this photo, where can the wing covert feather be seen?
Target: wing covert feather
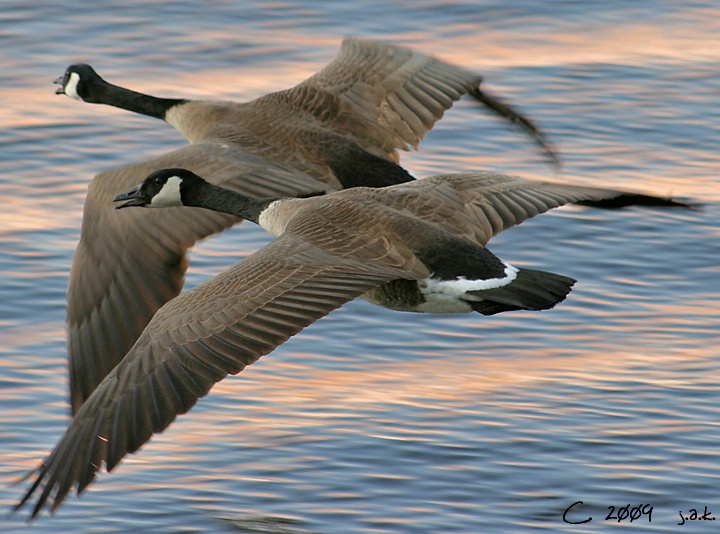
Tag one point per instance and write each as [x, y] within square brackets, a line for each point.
[383, 97]
[123, 272]
[195, 340]
[480, 205]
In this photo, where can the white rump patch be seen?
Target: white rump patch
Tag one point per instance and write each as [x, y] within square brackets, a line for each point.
[461, 285]
[71, 86]
[169, 195]
[450, 296]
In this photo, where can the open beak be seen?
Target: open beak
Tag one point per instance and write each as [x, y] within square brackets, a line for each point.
[59, 81]
[134, 197]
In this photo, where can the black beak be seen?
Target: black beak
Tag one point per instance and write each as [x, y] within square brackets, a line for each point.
[59, 81]
[134, 197]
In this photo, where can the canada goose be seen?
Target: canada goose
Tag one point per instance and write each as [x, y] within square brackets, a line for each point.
[371, 100]
[429, 234]
[341, 127]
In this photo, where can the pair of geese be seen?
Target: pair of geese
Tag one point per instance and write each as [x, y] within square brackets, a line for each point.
[315, 165]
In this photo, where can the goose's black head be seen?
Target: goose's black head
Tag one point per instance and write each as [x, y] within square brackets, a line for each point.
[80, 82]
[163, 189]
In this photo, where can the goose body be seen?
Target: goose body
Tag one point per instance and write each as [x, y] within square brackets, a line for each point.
[462, 275]
[340, 128]
[419, 245]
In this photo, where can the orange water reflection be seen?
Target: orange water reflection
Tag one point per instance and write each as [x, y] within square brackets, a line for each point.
[361, 402]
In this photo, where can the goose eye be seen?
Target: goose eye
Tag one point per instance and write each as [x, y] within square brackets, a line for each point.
[158, 181]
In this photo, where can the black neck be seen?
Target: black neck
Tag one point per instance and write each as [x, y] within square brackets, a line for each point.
[206, 195]
[119, 97]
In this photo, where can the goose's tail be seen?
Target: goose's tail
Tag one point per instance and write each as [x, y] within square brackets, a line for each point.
[531, 290]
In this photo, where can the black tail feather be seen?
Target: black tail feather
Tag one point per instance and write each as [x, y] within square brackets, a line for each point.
[531, 290]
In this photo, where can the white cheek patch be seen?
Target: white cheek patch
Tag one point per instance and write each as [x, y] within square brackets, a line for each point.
[71, 86]
[169, 195]
[460, 286]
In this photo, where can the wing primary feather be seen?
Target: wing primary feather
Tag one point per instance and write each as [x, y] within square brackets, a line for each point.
[160, 406]
[117, 437]
[250, 343]
[185, 382]
[212, 364]
[93, 458]
[167, 386]
[538, 199]
[41, 472]
[59, 473]
[72, 467]
[514, 200]
[439, 85]
[426, 117]
[434, 101]
[143, 415]
[408, 118]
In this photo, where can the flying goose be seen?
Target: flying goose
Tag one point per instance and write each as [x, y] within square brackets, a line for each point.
[419, 245]
[371, 100]
[341, 127]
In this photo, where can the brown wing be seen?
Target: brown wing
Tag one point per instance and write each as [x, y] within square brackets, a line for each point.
[478, 206]
[130, 262]
[195, 340]
[386, 97]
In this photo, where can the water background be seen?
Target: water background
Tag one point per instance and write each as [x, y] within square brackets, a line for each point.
[371, 420]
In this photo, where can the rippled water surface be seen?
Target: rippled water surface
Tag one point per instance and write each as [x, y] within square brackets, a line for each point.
[370, 420]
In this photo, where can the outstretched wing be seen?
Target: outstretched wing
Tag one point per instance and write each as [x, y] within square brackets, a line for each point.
[130, 262]
[480, 205]
[386, 97]
[197, 339]
[381, 96]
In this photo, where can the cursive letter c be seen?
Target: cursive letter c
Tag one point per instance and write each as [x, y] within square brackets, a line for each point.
[574, 522]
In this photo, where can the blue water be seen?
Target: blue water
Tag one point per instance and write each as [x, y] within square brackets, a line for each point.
[370, 420]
